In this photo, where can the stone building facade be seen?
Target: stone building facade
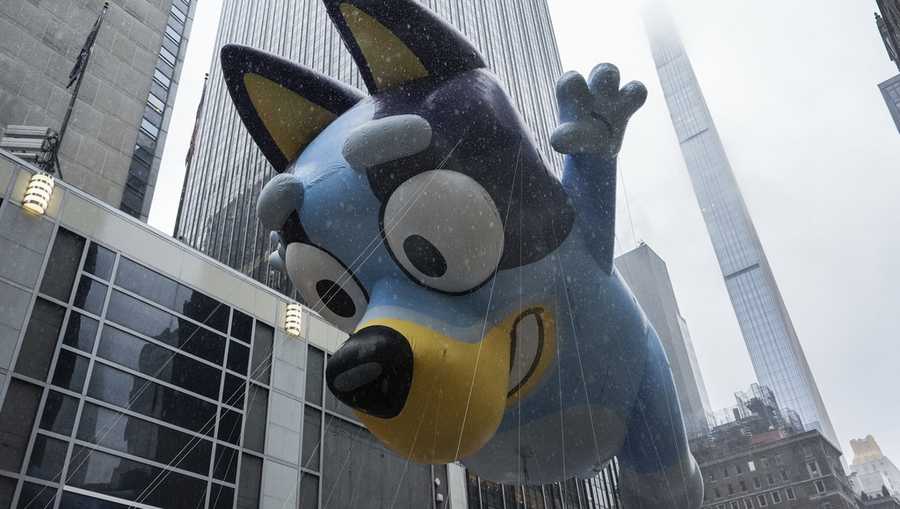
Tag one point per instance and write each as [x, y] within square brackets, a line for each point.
[113, 147]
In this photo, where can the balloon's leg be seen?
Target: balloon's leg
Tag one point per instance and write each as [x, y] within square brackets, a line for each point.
[656, 467]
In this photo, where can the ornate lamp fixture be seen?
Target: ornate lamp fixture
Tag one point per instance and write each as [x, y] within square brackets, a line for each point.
[293, 319]
[38, 193]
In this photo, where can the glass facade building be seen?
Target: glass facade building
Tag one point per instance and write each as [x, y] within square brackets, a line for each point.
[114, 144]
[775, 351]
[136, 372]
[227, 171]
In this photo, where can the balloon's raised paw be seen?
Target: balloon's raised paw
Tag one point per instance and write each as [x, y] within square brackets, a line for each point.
[594, 114]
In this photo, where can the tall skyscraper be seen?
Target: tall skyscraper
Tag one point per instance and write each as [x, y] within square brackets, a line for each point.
[888, 23]
[227, 171]
[647, 276]
[775, 351]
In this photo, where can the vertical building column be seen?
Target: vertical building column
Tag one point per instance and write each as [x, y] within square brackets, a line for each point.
[456, 486]
[281, 469]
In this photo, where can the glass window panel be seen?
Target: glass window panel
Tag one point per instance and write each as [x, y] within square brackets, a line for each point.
[59, 413]
[63, 265]
[515, 499]
[99, 261]
[151, 399]
[315, 372]
[230, 426]
[238, 358]
[535, 497]
[262, 353]
[473, 494]
[124, 478]
[233, 391]
[158, 362]
[312, 429]
[47, 458]
[167, 56]
[309, 491]
[75, 501]
[241, 326]
[251, 477]
[167, 292]
[16, 421]
[173, 34]
[148, 128]
[125, 433]
[153, 116]
[225, 467]
[40, 339]
[81, 332]
[160, 325]
[71, 370]
[221, 497]
[257, 411]
[379, 477]
[169, 45]
[90, 295]
[35, 495]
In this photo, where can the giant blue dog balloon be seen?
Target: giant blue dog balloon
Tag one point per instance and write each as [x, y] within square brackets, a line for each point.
[487, 323]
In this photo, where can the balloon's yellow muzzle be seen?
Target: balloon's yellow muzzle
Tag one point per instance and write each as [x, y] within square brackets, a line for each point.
[459, 391]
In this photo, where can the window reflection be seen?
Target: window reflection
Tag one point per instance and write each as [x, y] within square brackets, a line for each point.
[151, 399]
[123, 478]
[158, 324]
[70, 372]
[175, 296]
[59, 413]
[139, 437]
[47, 458]
[158, 362]
[99, 261]
[90, 295]
[81, 332]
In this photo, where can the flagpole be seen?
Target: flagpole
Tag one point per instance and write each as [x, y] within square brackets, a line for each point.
[51, 164]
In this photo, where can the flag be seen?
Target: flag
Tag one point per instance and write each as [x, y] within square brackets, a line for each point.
[81, 62]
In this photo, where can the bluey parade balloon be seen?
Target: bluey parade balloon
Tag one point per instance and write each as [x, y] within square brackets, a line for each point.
[487, 322]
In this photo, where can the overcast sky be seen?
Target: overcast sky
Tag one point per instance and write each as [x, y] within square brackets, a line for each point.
[793, 89]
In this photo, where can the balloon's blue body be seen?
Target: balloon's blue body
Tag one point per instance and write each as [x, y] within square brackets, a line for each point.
[487, 322]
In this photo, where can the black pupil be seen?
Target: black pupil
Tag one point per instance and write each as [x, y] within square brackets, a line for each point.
[337, 300]
[424, 256]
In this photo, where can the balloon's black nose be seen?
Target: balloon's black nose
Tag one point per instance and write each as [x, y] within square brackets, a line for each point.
[372, 372]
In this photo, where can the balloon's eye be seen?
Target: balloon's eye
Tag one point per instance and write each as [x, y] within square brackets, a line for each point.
[444, 230]
[326, 285]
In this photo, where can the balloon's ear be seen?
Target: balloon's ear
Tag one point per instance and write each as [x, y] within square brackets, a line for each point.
[283, 105]
[397, 41]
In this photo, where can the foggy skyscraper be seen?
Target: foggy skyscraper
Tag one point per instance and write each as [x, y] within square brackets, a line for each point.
[775, 351]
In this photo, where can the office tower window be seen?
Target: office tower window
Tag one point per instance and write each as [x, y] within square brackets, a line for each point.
[140, 172]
